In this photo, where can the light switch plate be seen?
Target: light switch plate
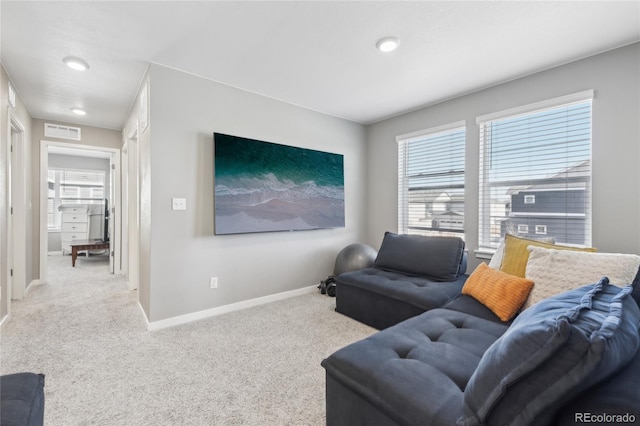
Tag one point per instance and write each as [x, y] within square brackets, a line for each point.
[178, 204]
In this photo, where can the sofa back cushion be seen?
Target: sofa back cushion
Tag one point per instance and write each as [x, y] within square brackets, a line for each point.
[438, 258]
[552, 352]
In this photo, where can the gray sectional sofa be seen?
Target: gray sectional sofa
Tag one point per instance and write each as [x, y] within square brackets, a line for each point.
[570, 359]
[410, 275]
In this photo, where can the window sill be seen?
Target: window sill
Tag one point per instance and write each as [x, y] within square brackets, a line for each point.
[484, 253]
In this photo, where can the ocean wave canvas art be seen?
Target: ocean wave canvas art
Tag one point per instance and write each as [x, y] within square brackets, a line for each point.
[264, 187]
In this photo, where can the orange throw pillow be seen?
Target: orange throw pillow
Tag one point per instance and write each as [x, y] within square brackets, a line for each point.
[502, 293]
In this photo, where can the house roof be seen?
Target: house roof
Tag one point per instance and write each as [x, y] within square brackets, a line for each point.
[572, 177]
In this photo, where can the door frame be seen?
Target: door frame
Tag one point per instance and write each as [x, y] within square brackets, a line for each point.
[16, 210]
[131, 209]
[114, 205]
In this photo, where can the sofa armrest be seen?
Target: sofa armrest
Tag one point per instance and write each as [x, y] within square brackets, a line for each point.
[22, 399]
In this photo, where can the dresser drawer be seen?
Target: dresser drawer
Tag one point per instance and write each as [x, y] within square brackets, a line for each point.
[74, 209]
[74, 227]
[73, 236]
[75, 217]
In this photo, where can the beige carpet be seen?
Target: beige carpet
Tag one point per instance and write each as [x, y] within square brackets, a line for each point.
[85, 332]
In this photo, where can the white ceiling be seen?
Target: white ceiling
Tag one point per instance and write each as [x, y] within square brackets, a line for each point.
[317, 54]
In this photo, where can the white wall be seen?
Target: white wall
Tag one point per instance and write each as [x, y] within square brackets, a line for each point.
[615, 77]
[183, 253]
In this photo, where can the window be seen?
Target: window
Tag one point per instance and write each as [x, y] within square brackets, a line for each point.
[431, 181]
[535, 171]
[72, 187]
[523, 228]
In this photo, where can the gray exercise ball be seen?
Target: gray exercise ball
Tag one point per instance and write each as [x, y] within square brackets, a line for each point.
[354, 257]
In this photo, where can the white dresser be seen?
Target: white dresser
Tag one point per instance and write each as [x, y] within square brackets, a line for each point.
[80, 222]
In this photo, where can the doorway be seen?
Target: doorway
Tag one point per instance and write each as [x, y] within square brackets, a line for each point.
[113, 212]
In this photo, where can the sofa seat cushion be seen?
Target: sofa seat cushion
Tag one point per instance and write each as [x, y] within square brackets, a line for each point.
[468, 305]
[382, 299]
[415, 372]
[418, 291]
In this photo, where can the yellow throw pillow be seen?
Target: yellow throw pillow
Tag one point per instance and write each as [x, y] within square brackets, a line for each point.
[516, 255]
[502, 293]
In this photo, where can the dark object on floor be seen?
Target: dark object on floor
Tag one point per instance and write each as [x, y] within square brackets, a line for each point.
[328, 286]
[22, 399]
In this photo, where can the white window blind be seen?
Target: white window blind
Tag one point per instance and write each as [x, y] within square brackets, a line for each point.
[535, 172]
[431, 181]
[72, 187]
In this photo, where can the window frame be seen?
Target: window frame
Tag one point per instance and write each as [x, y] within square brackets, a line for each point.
[403, 142]
[484, 214]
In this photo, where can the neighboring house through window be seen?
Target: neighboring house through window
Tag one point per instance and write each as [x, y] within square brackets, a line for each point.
[535, 172]
[431, 181]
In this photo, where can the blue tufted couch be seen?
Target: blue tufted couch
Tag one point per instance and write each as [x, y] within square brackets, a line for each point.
[570, 359]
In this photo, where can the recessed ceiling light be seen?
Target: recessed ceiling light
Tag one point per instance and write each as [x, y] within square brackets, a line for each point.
[76, 63]
[388, 44]
[79, 111]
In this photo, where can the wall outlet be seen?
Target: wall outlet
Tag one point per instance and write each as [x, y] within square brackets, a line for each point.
[178, 204]
[213, 283]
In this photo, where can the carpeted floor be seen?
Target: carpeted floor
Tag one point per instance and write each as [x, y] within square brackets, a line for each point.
[85, 332]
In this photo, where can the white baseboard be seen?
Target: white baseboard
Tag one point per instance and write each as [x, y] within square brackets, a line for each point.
[207, 313]
[31, 285]
[4, 320]
[144, 315]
